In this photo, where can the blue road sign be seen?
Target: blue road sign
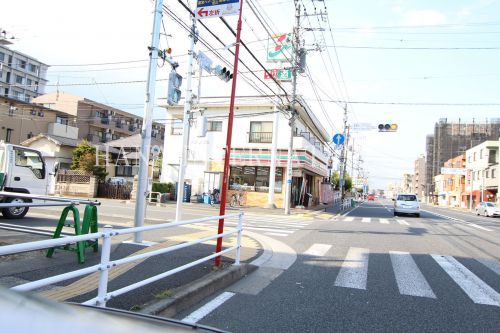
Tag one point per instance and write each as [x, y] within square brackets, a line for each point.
[338, 139]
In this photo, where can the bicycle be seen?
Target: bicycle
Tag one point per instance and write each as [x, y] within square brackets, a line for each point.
[214, 197]
[236, 198]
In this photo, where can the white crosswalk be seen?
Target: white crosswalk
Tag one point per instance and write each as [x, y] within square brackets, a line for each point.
[374, 220]
[409, 278]
[268, 225]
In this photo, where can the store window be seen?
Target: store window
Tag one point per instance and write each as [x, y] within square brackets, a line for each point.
[256, 179]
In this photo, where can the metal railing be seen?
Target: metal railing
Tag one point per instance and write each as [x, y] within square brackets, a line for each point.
[103, 295]
[53, 201]
[261, 137]
[346, 204]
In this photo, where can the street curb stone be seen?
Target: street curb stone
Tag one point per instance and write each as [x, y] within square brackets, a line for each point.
[192, 293]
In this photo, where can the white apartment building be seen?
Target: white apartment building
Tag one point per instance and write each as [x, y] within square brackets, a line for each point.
[481, 161]
[21, 77]
[256, 129]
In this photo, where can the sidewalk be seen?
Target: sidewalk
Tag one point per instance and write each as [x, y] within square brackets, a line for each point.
[200, 279]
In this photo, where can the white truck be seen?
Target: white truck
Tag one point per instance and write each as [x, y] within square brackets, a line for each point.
[22, 170]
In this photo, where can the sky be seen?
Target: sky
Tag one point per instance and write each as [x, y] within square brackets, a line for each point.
[390, 61]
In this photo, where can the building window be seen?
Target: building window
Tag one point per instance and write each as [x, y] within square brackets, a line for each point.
[29, 82]
[469, 159]
[261, 131]
[214, 126]
[176, 127]
[8, 135]
[33, 68]
[487, 173]
[19, 79]
[21, 64]
[492, 157]
[474, 156]
[493, 173]
[2, 56]
[481, 154]
[62, 120]
[250, 178]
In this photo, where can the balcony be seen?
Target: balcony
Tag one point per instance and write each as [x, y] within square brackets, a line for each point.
[63, 130]
[132, 128]
[105, 120]
[260, 137]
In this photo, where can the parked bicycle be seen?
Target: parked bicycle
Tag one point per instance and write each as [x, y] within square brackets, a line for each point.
[236, 199]
[214, 197]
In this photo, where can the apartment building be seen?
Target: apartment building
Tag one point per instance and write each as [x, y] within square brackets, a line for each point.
[98, 123]
[407, 183]
[482, 178]
[450, 183]
[20, 121]
[419, 177]
[22, 77]
[453, 138]
[257, 128]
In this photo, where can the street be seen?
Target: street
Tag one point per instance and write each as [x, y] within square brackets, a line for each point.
[370, 271]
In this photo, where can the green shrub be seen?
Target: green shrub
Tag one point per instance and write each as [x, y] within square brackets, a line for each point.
[162, 187]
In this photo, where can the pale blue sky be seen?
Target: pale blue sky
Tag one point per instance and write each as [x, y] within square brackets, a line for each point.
[63, 32]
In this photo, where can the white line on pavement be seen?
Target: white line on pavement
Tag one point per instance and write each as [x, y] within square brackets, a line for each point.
[354, 270]
[366, 220]
[349, 219]
[477, 226]
[492, 264]
[207, 308]
[276, 234]
[474, 287]
[402, 222]
[318, 250]
[408, 277]
[384, 221]
[270, 229]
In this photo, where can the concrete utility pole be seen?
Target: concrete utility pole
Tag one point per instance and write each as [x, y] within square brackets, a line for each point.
[296, 44]
[186, 125]
[343, 157]
[272, 173]
[142, 185]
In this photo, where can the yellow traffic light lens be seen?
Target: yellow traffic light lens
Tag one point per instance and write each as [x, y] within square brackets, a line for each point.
[394, 127]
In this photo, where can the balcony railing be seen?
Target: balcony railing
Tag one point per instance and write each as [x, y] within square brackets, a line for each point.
[261, 137]
[105, 120]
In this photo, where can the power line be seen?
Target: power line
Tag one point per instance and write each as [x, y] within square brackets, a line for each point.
[413, 103]
[411, 48]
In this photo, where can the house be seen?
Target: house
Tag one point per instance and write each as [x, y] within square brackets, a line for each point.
[257, 128]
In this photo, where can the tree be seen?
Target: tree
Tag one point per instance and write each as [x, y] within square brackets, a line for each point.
[84, 157]
[336, 181]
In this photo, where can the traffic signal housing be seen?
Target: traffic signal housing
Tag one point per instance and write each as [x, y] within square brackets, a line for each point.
[174, 84]
[223, 73]
[387, 127]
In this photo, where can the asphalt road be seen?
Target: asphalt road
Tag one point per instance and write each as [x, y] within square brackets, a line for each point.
[366, 271]
[371, 271]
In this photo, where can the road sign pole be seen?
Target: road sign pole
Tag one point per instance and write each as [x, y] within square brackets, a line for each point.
[227, 153]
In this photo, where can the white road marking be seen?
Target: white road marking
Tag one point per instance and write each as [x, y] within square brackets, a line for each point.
[474, 287]
[349, 219]
[209, 307]
[384, 221]
[276, 234]
[492, 264]
[366, 219]
[477, 226]
[409, 278]
[318, 250]
[354, 270]
[270, 229]
[402, 222]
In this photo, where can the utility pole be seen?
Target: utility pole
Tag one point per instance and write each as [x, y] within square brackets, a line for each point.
[343, 157]
[186, 125]
[142, 185]
[296, 44]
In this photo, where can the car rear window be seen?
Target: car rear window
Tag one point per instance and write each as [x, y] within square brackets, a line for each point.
[407, 197]
[489, 204]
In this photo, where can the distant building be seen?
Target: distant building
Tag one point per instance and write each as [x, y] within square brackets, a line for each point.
[407, 183]
[483, 179]
[451, 139]
[22, 77]
[97, 122]
[419, 177]
[449, 186]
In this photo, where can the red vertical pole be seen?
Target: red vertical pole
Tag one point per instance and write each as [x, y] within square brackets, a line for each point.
[227, 153]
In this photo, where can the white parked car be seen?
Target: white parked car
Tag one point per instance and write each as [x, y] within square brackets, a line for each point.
[406, 204]
[487, 209]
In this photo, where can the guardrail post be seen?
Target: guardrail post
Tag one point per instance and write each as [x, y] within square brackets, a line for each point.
[238, 238]
[104, 269]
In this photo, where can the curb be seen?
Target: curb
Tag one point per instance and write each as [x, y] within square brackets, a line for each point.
[194, 292]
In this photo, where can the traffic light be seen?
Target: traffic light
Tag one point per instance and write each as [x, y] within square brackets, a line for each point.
[174, 83]
[387, 127]
[223, 73]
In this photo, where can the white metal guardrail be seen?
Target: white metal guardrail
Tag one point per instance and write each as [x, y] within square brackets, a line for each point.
[106, 264]
[346, 204]
[53, 201]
